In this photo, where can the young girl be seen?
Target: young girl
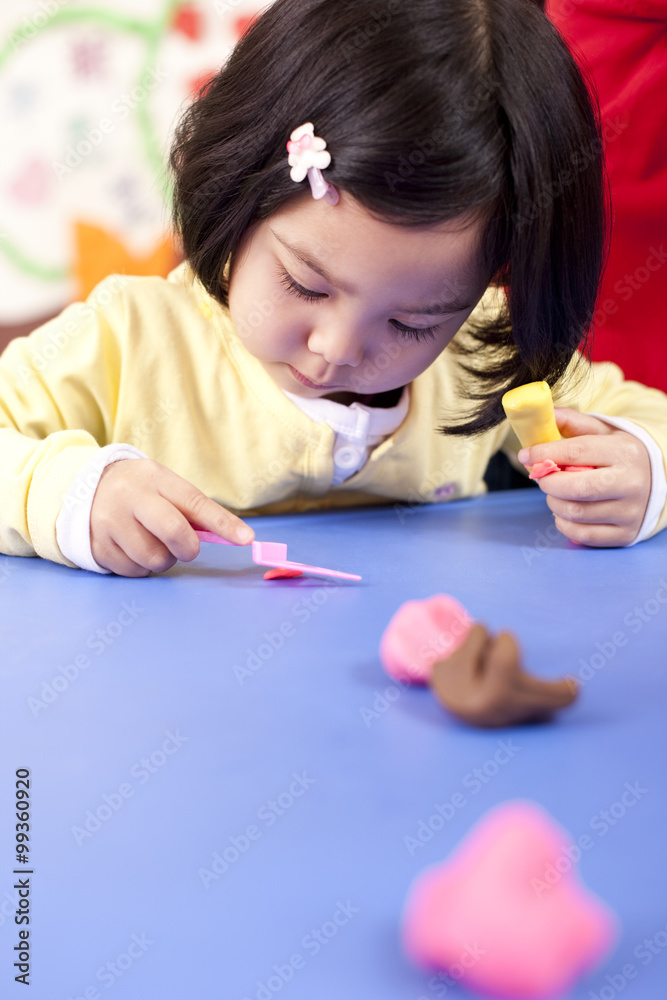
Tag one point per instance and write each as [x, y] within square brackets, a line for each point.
[296, 359]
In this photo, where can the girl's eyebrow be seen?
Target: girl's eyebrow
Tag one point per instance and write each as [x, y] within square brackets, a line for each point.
[455, 304]
[301, 253]
[450, 306]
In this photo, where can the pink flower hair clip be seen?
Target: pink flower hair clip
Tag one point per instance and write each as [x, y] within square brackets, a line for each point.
[308, 156]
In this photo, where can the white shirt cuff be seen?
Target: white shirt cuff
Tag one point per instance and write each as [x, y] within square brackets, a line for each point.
[73, 521]
[658, 495]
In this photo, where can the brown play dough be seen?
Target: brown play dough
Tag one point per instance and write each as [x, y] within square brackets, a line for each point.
[484, 684]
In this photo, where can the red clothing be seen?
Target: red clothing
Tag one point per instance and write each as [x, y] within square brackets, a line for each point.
[623, 44]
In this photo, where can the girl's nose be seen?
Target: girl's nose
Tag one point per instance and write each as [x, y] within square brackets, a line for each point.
[337, 345]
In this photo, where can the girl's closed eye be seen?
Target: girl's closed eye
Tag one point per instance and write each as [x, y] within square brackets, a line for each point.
[298, 290]
[412, 332]
[415, 332]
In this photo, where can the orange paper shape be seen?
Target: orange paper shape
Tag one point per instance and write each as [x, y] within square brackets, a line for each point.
[99, 253]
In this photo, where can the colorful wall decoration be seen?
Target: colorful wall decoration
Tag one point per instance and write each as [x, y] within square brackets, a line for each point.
[90, 91]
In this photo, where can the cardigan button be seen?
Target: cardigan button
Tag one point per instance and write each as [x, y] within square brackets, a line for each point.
[347, 457]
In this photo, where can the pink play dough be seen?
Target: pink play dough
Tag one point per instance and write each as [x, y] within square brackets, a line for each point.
[545, 468]
[506, 913]
[542, 469]
[420, 633]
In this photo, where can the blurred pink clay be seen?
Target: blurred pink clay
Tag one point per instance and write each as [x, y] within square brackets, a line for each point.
[510, 889]
[420, 633]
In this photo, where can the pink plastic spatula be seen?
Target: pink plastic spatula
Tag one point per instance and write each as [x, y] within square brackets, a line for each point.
[275, 554]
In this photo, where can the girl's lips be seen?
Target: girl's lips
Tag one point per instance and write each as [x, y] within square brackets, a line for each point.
[308, 382]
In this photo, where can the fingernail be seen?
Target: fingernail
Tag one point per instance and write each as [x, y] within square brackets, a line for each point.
[523, 455]
[245, 535]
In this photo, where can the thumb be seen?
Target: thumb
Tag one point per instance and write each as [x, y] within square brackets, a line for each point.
[571, 423]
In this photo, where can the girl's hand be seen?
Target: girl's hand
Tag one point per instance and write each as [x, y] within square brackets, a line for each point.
[604, 506]
[139, 522]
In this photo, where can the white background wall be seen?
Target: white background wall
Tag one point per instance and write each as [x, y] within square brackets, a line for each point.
[89, 93]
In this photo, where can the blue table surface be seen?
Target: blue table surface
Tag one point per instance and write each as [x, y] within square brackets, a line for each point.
[227, 790]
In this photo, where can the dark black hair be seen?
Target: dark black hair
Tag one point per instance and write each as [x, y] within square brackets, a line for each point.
[431, 110]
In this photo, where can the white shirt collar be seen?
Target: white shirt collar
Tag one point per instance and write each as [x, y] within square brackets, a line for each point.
[355, 422]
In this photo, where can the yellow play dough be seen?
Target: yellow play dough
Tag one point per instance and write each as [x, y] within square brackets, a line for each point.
[530, 411]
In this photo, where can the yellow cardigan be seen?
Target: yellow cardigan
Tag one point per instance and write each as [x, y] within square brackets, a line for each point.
[156, 363]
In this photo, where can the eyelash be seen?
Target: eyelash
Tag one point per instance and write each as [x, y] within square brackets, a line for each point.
[414, 333]
[296, 289]
[421, 333]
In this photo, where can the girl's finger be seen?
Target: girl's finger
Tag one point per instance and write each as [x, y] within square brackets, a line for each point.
[143, 549]
[571, 423]
[169, 525]
[600, 512]
[596, 535]
[588, 486]
[587, 449]
[118, 562]
[202, 510]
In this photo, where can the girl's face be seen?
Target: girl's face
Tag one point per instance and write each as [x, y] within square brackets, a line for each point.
[333, 302]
